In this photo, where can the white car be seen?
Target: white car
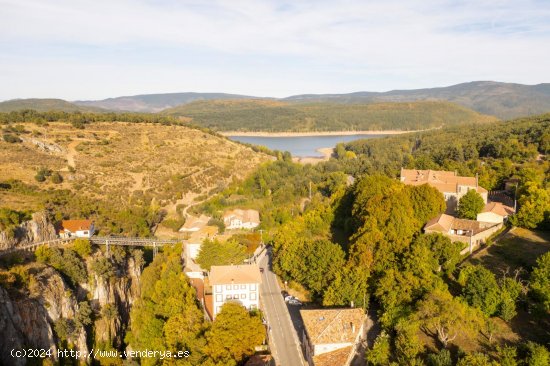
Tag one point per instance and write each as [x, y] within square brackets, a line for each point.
[289, 298]
[294, 302]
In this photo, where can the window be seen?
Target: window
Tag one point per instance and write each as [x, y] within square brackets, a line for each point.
[235, 287]
[243, 296]
[236, 296]
[219, 298]
[252, 296]
[252, 306]
[219, 288]
[228, 297]
[253, 287]
[243, 287]
[228, 287]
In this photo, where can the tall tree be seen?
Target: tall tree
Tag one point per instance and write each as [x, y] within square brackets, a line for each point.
[540, 281]
[470, 205]
[234, 335]
[447, 316]
[216, 253]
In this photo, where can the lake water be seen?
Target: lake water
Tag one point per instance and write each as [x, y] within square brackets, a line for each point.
[301, 146]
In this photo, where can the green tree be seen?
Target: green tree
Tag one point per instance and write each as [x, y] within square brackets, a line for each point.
[470, 205]
[379, 355]
[350, 286]
[84, 314]
[442, 358]
[216, 253]
[540, 281]
[234, 334]
[448, 316]
[480, 289]
[427, 202]
[537, 355]
[534, 206]
[476, 359]
[407, 343]
[166, 315]
[83, 247]
[507, 356]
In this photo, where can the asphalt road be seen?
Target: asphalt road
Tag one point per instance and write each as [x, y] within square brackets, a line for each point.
[283, 338]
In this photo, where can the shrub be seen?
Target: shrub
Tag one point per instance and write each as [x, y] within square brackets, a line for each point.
[56, 178]
[12, 139]
[83, 247]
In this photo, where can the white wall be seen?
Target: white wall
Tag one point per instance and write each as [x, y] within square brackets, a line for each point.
[248, 295]
[490, 217]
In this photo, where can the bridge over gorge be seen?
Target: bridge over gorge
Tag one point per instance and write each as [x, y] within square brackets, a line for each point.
[98, 240]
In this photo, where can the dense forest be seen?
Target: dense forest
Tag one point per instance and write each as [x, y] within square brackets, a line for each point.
[362, 244]
[265, 115]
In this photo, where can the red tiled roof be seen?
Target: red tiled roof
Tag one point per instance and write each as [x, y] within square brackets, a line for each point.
[76, 225]
[498, 208]
[337, 357]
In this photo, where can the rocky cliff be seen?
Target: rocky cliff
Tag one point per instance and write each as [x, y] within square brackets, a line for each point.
[40, 228]
[31, 313]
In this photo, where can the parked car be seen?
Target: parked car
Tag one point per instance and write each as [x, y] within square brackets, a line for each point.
[289, 298]
[294, 301]
[285, 294]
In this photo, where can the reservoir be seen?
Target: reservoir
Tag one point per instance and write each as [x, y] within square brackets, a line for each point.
[301, 146]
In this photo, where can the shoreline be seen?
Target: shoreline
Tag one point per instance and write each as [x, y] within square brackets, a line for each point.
[312, 134]
[326, 151]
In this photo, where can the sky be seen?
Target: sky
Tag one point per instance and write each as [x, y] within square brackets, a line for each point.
[80, 49]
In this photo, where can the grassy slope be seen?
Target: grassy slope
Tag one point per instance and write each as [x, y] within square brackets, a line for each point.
[44, 105]
[117, 160]
[265, 115]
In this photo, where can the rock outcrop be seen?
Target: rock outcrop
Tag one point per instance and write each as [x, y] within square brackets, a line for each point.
[28, 315]
[40, 228]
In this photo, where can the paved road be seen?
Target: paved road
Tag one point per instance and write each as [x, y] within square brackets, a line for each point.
[284, 340]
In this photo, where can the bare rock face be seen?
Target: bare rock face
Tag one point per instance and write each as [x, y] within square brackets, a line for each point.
[37, 229]
[28, 315]
[120, 294]
[28, 319]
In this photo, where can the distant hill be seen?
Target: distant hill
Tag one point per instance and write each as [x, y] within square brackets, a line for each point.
[270, 115]
[45, 105]
[504, 100]
[154, 102]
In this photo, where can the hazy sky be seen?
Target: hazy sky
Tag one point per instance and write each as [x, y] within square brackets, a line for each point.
[78, 49]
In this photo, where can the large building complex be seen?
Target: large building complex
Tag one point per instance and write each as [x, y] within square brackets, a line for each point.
[450, 184]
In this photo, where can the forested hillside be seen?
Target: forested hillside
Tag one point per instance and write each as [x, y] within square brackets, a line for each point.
[271, 116]
[44, 105]
[363, 244]
[504, 100]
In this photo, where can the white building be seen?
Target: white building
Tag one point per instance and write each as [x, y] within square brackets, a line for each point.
[495, 212]
[241, 219]
[77, 228]
[235, 283]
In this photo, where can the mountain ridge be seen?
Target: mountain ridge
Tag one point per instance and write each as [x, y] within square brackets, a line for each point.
[503, 100]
